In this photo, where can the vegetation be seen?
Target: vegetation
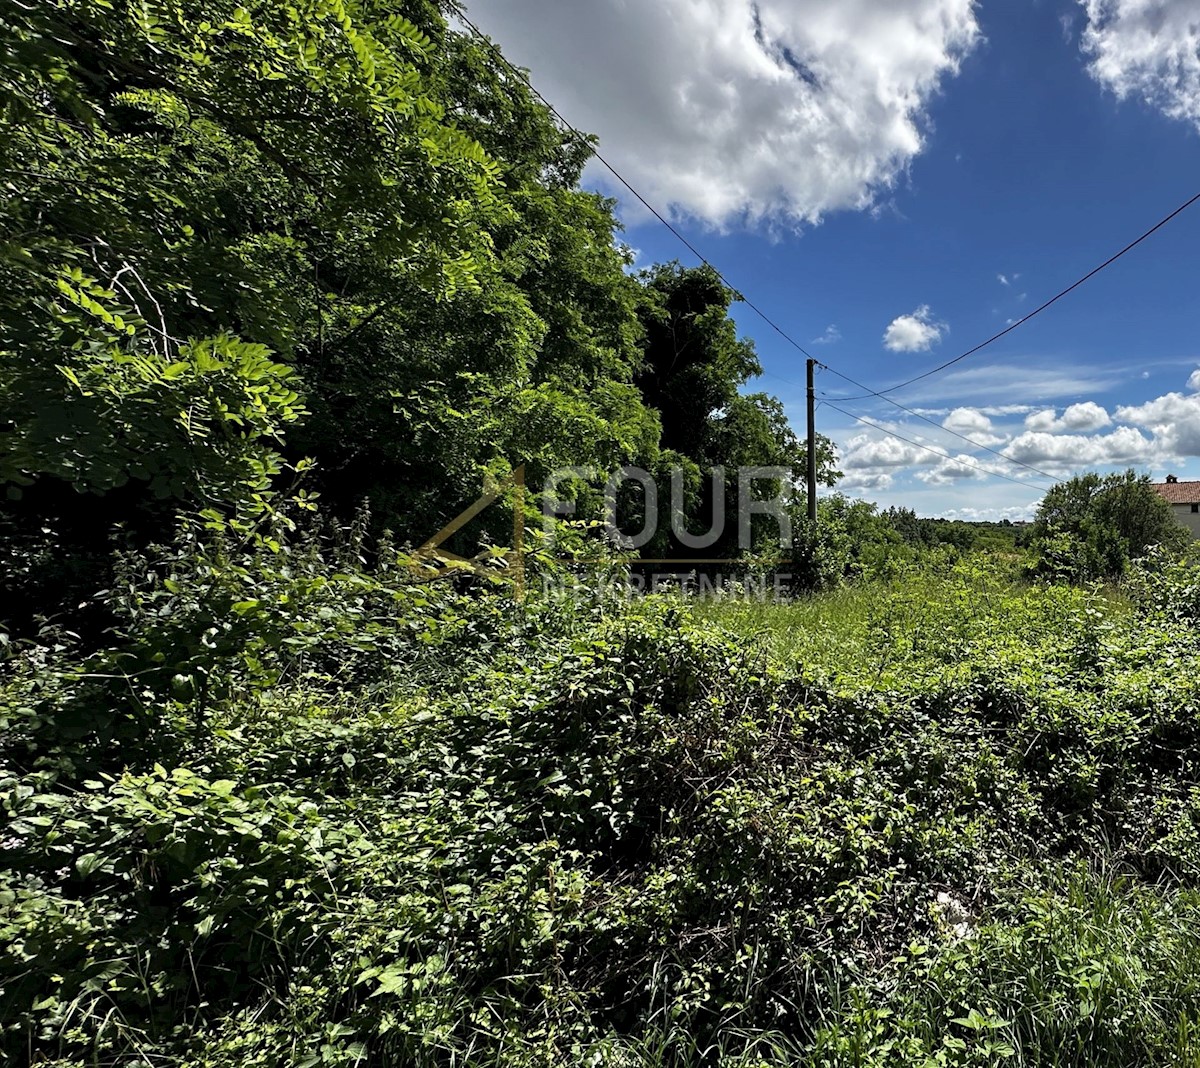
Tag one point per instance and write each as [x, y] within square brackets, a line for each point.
[283, 283]
[945, 820]
[1092, 527]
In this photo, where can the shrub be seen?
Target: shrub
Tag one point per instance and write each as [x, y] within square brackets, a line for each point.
[1092, 528]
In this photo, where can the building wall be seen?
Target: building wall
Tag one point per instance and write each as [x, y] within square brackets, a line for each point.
[1190, 519]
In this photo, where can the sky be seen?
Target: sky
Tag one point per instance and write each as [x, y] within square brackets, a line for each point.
[894, 181]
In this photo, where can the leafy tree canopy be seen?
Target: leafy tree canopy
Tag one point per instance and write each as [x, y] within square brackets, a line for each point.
[178, 177]
[246, 236]
[1092, 526]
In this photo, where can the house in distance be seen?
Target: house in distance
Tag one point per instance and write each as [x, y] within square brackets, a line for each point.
[1184, 499]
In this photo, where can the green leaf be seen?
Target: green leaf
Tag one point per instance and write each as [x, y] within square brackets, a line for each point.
[88, 863]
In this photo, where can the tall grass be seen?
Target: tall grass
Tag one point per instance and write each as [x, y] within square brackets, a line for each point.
[875, 632]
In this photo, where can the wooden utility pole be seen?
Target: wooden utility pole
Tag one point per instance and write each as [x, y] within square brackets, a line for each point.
[812, 443]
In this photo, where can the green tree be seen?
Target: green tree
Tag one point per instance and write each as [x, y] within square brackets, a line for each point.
[177, 176]
[195, 196]
[415, 401]
[694, 368]
[1092, 526]
[693, 360]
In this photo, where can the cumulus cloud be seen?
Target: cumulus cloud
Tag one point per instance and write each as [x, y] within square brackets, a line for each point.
[918, 332]
[1174, 420]
[831, 336]
[1071, 452]
[967, 421]
[875, 453]
[1077, 418]
[952, 470]
[873, 463]
[866, 481]
[1083, 436]
[1148, 49]
[974, 424]
[1193, 382]
[775, 111]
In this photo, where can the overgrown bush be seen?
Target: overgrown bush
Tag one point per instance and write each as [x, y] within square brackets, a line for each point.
[225, 613]
[1091, 528]
[616, 835]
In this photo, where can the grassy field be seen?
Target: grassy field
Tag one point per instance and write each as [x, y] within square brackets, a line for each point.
[878, 633]
[944, 820]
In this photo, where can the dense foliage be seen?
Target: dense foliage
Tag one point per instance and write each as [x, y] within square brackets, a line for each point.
[270, 797]
[1092, 527]
[176, 175]
[250, 236]
[920, 532]
[947, 821]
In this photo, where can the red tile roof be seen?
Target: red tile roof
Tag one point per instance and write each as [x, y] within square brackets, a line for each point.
[1180, 492]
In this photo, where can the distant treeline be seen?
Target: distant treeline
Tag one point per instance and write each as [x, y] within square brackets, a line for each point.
[960, 533]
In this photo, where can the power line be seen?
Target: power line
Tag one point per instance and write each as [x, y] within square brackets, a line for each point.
[940, 455]
[825, 398]
[524, 78]
[1037, 311]
[946, 429]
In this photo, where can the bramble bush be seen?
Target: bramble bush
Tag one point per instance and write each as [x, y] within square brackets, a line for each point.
[227, 610]
[618, 834]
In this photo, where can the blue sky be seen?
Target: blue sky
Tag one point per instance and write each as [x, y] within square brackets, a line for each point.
[893, 181]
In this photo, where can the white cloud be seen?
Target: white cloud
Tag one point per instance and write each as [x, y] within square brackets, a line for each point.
[953, 469]
[1174, 419]
[967, 420]
[999, 411]
[918, 332]
[1193, 382]
[1042, 421]
[973, 424]
[1084, 436]
[1077, 418]
[866, 481]
[831, 336]
[1003, 279]
[992, 411]
[1148, 49]
[1070, 452]
[870, 453]
[776, 111]
[1011, 383]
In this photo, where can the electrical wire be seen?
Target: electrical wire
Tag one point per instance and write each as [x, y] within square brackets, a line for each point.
[945, 429]
[1036, 311]
[524, 78]
[927, 448]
